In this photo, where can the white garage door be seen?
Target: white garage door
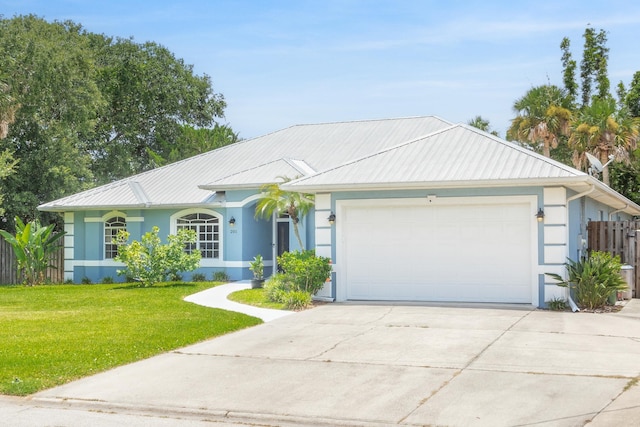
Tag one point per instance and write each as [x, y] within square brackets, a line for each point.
[477, 252]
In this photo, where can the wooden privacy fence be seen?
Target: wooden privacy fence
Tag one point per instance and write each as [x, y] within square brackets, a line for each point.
[8, 264]
[618, 238]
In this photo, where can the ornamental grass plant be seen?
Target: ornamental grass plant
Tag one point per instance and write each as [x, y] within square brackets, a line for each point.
[593, 280]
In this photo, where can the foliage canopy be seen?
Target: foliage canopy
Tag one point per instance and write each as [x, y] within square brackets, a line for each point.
[80, 109]
[550, 119]
[543, 118]
[276, 200]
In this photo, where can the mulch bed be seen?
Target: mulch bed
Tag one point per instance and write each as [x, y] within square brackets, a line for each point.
[606, 309]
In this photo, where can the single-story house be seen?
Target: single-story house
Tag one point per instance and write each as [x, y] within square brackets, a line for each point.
[425, 210]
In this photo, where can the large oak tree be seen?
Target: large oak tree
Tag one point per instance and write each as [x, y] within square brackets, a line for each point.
[83, 109]
[149, 96]
[50, 72]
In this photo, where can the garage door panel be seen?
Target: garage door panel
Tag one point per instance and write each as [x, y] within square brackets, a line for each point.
[439, 253]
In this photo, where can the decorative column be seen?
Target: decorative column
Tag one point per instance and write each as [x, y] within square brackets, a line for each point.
[69, 254]
[555, 244]
[324, 232]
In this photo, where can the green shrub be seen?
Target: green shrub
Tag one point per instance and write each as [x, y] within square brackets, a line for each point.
[297, 300]
[220, 276]
[306, 271]
[557, 304]
[304, 274]
[198, 277]
[107, 280]
[257, 267]
[276, 288]
[150, 262]
[593, 279]
[86, 281]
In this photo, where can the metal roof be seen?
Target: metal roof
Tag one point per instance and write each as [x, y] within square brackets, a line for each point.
[455, 157]
[416, 152]
[319, 146]
[254, 177]
[457, 153]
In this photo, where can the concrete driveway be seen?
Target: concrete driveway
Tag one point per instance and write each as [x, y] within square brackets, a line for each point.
[383, 364]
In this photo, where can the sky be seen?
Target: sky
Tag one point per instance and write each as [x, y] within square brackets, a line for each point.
[279, 63]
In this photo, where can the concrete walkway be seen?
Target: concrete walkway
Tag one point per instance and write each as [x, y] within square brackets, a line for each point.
[217, 298]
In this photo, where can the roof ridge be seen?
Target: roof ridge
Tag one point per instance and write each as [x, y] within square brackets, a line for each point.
[370, 120]
[384, 150]
[300, 165]
[524, 150]
[285, 159]
[139, 192]
[282, 159]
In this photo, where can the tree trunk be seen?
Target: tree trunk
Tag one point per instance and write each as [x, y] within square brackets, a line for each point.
[293, 216]
[297, 233]
[546, 148]
[604, 158]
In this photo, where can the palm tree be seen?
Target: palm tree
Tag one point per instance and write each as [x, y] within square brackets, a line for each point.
[482, 124]
[543, 116]
[602, 129]
[276, 200]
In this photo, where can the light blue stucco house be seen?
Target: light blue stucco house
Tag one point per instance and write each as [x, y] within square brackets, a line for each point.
[424, 210]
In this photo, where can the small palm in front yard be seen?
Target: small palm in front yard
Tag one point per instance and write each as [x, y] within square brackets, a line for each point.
[54, 334]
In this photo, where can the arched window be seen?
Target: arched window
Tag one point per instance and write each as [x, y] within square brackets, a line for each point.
[111, 228]
[207, 228]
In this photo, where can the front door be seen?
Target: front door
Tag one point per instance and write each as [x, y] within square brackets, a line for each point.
[283, 236]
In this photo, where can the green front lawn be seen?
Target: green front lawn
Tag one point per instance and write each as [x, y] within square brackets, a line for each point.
[50, 335]
[256, 297]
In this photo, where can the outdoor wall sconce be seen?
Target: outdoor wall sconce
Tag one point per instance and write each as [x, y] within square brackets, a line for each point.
[232, 222]
[332, 218]
[540, 215]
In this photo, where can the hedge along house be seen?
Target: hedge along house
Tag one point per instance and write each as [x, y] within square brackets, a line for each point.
[421, 210]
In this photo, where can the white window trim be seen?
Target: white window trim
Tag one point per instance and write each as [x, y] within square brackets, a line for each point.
[105, 218]
[173, 228]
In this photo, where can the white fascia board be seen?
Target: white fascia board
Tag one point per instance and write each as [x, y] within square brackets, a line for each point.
[58, 208]
[577, 183]
[426, 185]
[227, 187]
[64, 208]
[603, 193]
